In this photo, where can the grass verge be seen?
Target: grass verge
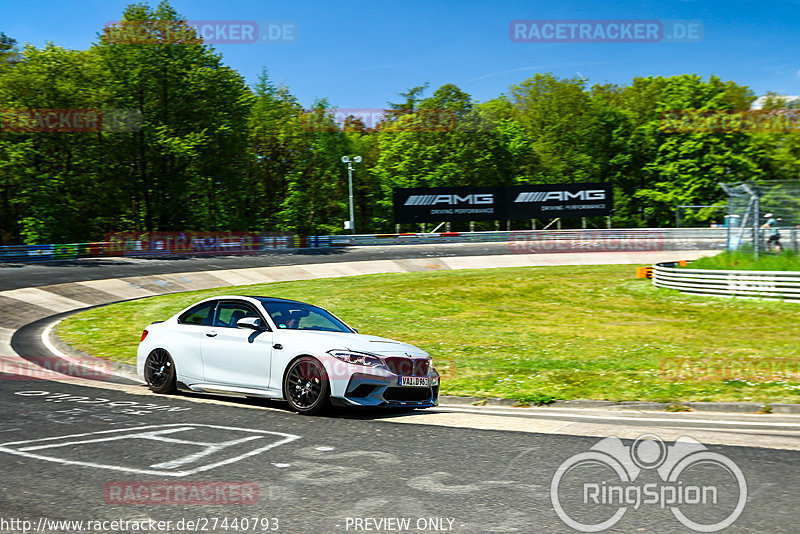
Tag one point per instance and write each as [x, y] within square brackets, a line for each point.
[744, 260]
[532, 334]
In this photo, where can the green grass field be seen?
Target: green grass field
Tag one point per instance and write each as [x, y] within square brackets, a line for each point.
[744, 260]
[532, 334]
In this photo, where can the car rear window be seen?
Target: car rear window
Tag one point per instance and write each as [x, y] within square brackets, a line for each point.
[202, 314]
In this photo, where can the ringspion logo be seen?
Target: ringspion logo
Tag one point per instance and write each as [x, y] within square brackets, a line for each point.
[592, 491]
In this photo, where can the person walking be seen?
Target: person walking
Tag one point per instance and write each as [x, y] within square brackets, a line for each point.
[774, 237]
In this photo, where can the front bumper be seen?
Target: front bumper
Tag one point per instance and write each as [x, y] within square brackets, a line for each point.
[385, 391]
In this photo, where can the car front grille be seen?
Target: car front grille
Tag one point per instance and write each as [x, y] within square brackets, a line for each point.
[407, 366]
[407, 394]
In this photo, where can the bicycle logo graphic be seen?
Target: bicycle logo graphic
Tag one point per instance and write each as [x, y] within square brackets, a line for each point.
[626, 463]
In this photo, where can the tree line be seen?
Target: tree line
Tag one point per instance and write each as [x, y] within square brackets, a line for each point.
[204, 151]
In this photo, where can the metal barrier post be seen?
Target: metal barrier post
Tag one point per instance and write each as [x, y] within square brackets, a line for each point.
[756, 226]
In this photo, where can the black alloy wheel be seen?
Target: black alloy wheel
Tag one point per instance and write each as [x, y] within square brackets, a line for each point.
[159, 372]
[306, 386]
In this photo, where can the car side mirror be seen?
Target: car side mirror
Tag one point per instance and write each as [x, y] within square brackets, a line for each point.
[254, 323]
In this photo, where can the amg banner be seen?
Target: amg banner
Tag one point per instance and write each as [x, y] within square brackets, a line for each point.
[436, 204]
[560, 200]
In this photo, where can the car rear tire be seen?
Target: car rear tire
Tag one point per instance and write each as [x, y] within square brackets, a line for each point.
[306, 386]
[159, 372]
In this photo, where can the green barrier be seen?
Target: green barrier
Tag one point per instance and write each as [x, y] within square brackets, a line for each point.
[65, 251]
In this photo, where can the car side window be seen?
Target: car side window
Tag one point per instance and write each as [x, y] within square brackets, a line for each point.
[229, 313]
[200, 315]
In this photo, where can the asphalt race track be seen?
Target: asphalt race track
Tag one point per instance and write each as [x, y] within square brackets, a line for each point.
[117, 458]
[349, 465]
[13, 276]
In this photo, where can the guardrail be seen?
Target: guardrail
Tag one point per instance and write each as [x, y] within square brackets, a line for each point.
[587, 240]
[774, 285]
[519, 241]
[143, 244]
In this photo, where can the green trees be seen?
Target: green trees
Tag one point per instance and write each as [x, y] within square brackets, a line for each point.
[202, 151]
[52, 188]
[447, 140]
[183, 168]
[685, 168]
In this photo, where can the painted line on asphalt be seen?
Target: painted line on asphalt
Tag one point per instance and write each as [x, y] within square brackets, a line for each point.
[156, 432]
[449, 409]
[56, 352]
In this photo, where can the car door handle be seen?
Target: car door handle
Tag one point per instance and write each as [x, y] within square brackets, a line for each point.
[277, 346]
[211, 334]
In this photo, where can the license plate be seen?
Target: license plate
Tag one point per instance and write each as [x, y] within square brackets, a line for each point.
[414, 381]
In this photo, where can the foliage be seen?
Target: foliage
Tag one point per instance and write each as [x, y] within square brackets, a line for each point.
[214, 154]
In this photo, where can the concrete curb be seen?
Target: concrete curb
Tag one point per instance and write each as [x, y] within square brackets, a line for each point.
[724, 407]
[124, 370]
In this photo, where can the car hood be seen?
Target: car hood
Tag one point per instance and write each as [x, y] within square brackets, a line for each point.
[357, 342]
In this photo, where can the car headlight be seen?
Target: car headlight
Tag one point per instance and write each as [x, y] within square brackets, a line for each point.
[356, 358]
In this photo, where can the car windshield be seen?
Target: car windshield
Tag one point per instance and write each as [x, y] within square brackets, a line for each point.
[299, 316]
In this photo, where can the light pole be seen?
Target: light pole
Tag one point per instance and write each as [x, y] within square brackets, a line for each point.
[349, 162]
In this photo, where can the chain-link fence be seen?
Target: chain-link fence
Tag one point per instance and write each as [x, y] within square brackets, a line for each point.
[763, 216]
[703, 216]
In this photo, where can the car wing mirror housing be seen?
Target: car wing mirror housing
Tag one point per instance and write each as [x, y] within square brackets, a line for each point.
[253, 323]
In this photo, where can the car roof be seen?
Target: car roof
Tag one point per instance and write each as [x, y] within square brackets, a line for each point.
[263, 300]
[266, 300]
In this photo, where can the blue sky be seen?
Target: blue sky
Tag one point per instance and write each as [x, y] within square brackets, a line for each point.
[360, 54]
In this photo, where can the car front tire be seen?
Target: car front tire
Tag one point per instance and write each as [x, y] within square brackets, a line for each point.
[306, 386]
[159, 372]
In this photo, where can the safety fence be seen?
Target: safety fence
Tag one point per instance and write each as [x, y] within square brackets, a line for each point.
[533, 241]
[146, 244]
[776, 285]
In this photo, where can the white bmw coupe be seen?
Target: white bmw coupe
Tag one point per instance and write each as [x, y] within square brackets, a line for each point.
[282, 349]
